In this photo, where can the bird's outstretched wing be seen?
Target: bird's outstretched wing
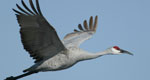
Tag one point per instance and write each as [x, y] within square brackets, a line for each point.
[84, 33]
[39, 38]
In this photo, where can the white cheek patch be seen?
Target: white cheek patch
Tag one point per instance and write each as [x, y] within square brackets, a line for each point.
[115, 51]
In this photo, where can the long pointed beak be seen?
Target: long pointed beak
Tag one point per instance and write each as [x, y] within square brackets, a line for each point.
[126, 52]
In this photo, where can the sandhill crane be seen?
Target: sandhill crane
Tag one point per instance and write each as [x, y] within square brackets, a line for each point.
[41, 41]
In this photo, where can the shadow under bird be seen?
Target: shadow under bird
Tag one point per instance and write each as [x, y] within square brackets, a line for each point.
[41, 41]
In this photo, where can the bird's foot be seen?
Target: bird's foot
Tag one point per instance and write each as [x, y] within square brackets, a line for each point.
[10, 78]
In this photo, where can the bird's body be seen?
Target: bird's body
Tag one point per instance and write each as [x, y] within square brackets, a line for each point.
[41, 41]
[64, 59]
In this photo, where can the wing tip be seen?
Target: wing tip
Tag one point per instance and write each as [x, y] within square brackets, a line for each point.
[85, 25]
[90, 27]
[95, 23]
[33, 11]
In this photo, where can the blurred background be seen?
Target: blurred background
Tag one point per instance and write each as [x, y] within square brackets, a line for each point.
[125, 23]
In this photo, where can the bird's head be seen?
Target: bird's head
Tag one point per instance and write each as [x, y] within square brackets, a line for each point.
[117, 50]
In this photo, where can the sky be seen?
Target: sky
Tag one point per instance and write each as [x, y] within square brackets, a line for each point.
[124, 23]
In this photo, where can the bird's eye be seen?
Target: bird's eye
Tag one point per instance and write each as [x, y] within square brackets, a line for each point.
[116, 47]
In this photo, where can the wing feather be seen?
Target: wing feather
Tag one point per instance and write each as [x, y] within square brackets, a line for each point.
[32, 6]
[85, 25]
[76, 30]
[38, 7]
[18, 12]
[80, 27]
[26, 7]
[39, 38]
[95, 23]
[78, 36]
[22, 9]
[91, 23]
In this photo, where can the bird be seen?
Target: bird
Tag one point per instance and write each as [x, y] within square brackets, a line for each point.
[41, 41]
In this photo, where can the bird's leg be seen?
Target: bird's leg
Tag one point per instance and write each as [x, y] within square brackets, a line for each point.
[20, 76]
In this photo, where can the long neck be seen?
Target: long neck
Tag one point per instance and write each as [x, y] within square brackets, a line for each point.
[88, 56]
